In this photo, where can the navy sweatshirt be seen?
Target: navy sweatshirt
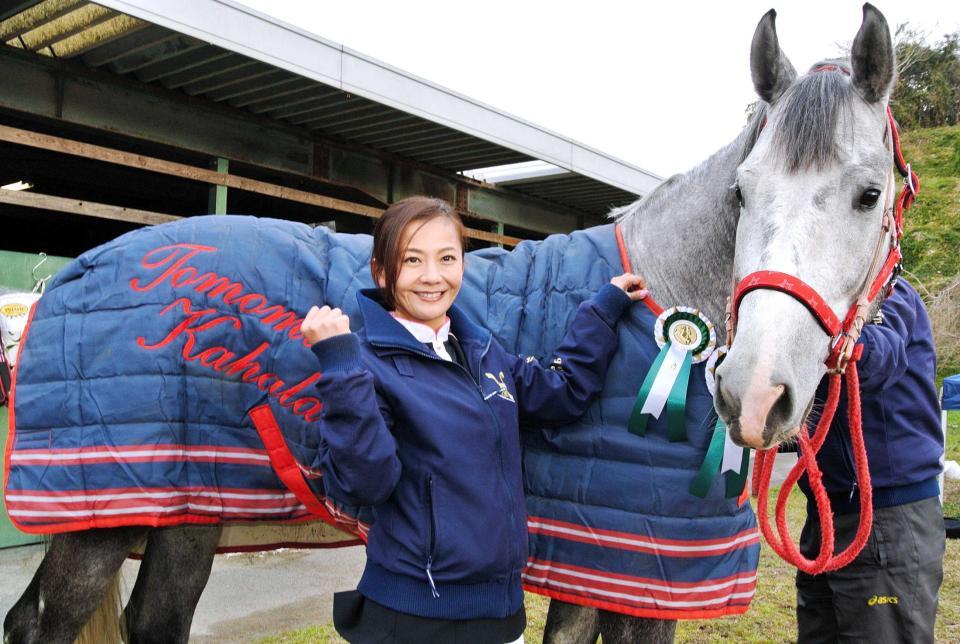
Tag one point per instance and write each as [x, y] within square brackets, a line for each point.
[434, 447]
[900, 410]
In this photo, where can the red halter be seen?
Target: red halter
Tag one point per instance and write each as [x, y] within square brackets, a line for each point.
[844, 352]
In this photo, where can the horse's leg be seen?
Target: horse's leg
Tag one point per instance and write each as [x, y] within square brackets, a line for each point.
[570, 624]
[616, 628]
[68, 586]
[175, 568]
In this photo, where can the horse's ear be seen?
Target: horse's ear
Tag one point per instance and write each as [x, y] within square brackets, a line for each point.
[772, 72]
[872, 56]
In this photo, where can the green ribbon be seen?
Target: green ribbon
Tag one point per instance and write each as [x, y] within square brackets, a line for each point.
[711, 463]
[638, 420]
[710, 468]
[677, 401]
[736, 480]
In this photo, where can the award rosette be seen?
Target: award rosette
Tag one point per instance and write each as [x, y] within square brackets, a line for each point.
[685, 337]
[723, 455]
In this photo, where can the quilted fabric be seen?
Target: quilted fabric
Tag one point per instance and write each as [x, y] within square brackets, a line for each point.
[141, 364]
[610, 518]
[148, 357]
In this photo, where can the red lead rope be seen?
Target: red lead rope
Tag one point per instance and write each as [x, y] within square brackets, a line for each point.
[781, 541]
[843, 360]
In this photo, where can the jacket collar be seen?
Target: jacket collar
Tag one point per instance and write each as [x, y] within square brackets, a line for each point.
[424, 333]
[381, 328]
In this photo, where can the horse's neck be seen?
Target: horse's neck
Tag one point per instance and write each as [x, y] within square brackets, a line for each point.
[681, 237]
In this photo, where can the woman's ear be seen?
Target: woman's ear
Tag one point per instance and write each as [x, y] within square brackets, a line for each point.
[377, 274]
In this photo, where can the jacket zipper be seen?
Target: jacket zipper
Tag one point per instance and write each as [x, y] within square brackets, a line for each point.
[433, 538]
[848, 462]
[496, 423]
[499, 430]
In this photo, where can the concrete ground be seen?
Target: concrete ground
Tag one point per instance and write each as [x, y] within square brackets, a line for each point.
[250, 596]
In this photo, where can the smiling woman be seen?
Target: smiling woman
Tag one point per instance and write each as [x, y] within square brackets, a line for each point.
[419, 267]
[421, 421]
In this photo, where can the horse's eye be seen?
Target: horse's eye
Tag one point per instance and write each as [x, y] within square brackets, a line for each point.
[869, 198]
[736, 187]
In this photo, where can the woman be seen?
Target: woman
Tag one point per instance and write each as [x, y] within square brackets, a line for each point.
[421, 421]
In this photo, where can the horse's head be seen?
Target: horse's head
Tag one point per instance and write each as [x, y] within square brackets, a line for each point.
[814, 192]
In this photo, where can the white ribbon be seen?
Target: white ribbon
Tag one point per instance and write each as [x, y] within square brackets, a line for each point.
[664, 381]
[732, 455]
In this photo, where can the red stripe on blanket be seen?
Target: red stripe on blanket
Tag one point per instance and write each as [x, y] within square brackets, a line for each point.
[93, 455]
[36, 506]
[640, 590]
[649, 613]
[641, 543]
[200, 490]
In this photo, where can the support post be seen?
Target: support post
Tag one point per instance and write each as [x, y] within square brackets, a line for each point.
[218, 193]
[498, 231]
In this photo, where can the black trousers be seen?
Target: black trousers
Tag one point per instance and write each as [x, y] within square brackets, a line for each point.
[362, 621]
[889, 592]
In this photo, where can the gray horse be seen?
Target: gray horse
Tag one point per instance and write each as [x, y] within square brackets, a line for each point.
[717, 237]
[803, 190]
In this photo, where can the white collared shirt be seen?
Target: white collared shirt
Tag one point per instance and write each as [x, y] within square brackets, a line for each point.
[424, 334]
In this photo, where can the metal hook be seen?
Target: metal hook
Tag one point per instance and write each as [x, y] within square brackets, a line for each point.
[40, 283]
[33, 272]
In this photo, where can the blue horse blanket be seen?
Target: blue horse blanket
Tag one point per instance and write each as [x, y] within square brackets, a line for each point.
[163, 380]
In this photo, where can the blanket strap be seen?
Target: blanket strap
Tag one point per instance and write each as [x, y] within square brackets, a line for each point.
[285, 465]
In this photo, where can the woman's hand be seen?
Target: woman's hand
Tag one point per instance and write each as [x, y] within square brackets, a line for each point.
[322, 323]
[633, 285]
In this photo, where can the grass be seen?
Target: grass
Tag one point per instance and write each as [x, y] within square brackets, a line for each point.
[932, 234]
[323, 633]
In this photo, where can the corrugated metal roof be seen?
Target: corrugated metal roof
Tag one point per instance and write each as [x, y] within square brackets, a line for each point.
[231, 55]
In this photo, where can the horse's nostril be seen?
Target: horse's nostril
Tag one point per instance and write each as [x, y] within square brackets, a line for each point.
[782, 410]
[727, 406]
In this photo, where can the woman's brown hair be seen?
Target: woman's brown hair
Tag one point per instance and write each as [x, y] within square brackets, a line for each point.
[388, 239]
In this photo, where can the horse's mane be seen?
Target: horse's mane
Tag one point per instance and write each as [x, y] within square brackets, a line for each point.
[804, 135]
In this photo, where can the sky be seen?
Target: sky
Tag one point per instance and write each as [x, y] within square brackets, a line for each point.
[660, 85]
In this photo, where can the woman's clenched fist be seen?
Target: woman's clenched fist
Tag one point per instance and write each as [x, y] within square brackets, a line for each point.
[323, 322]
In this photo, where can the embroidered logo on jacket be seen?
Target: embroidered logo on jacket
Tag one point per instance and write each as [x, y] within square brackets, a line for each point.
[503, 392]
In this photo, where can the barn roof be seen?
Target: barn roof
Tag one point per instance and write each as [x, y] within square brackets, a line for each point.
[235, 56]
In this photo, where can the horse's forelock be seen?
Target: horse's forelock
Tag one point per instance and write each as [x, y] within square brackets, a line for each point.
[805, 131]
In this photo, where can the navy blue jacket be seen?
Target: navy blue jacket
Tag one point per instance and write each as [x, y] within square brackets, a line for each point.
[435, 448]
[900, 410]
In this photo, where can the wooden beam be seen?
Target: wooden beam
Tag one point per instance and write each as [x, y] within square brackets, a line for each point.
[85, 208]
[149, 218]
[213, 177]
[141, 162]
[493, 238]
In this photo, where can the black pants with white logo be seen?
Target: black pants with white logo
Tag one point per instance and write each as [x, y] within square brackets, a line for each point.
[889, 592]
